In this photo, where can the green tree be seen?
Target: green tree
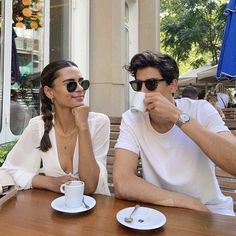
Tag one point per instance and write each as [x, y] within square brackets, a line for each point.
[192, 30]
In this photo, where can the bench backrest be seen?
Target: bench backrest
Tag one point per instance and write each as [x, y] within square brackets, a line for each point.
[231, 124]
[230, 113]
[226, 181]
[114, 133]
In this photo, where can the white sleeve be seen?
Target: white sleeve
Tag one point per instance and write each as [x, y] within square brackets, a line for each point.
[23, 161]
[127, 138]
[210, 118]
[100, 142]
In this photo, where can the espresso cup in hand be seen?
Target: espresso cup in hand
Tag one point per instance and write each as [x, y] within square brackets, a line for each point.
[74, 192]
[138, 102]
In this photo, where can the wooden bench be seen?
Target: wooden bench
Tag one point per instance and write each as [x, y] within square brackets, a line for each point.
[114, 133]
[231, 124]
[230, 113]
[226, 181]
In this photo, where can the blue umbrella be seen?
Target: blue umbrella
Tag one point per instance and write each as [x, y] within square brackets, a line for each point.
[227, 61]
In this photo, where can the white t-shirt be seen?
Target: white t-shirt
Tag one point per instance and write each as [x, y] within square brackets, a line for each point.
[23, 162]
[172, 160]
[222, 100]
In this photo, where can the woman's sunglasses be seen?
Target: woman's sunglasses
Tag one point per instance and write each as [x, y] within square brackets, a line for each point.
[72, 85]
[150, 84]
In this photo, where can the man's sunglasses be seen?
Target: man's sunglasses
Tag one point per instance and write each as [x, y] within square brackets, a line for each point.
[72, 85]
[150, 84]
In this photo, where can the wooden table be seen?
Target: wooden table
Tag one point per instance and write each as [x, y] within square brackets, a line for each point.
[30, 213]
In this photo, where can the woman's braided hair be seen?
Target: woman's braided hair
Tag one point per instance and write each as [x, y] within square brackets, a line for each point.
[48, 75]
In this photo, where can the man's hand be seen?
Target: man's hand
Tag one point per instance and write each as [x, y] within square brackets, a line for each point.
[160, 108]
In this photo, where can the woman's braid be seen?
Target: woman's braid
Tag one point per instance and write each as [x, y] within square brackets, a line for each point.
[46, 109]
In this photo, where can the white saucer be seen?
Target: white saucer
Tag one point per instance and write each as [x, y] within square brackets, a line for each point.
[59, 205]
[144, 218]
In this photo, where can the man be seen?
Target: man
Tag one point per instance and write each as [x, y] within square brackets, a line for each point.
[190, 92]
[179, 142]
[19, 116]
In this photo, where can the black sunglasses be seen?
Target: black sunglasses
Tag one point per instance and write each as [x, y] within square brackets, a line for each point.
[72, 85]
[150, 84]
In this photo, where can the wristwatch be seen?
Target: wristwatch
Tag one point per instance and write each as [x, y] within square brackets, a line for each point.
[183, 118]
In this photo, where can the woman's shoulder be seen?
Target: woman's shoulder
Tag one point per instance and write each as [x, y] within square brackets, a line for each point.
[223, 95]
[36, 123]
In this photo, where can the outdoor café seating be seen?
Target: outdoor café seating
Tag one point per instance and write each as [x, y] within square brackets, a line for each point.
[31, 212]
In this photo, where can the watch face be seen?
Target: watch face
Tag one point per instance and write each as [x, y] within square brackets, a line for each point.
[184, 117]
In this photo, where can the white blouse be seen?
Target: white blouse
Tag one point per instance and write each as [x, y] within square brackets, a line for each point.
[24, 160]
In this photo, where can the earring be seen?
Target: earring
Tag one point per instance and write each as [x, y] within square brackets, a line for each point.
[52, 100]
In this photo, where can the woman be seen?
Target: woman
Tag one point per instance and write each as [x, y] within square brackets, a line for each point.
[67, 142]
[222, 96]
[212, 98]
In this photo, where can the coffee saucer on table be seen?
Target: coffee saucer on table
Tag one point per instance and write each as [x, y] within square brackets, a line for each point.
[144, 218]
[58, 204]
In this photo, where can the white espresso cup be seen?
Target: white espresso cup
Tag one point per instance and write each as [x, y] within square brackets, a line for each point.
[138, 102]
[74, 192]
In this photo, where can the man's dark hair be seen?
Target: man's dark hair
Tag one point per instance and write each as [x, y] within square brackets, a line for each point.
[190, 92]
[166, 65]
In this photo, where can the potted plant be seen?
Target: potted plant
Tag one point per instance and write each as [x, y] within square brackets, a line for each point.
[5, 149]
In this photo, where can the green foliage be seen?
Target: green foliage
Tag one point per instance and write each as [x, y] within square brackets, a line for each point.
[4, 150]
[191, 31]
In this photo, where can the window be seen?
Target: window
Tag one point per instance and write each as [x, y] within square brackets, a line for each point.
[59, 29]
[27, 62]
[126, 49]
[1, 62]
[40, 31]
[131, 39]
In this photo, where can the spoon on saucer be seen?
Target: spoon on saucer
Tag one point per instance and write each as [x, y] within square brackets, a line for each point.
[129, 218]
[85, 204]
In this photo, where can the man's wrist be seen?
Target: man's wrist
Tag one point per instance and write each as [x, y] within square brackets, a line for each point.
[182, 119]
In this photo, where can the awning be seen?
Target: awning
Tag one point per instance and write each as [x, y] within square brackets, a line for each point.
[191, 77]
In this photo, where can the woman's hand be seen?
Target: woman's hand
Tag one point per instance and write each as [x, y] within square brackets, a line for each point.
[50, 183]
[81, 117]
[58, 181]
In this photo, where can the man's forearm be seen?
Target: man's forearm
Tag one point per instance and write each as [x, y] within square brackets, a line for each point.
[219, 147]
[149, 193]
